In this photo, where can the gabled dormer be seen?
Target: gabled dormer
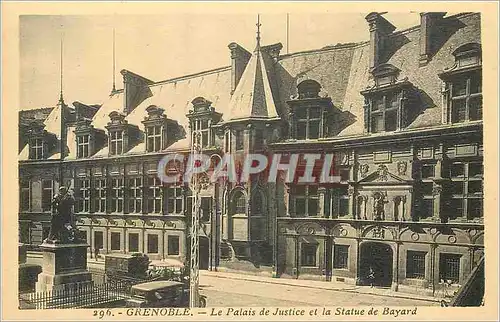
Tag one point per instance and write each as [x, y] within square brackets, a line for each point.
[390, 104]
[159, 130]
[40, 141]
[462, 86]
[201, 119]
[309, 112]
[120, 133]
[88, 139]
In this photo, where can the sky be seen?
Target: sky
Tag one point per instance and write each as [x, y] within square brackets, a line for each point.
[160, 47]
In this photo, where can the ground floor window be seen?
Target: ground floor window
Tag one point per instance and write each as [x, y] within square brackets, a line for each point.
[153, 244]
[415, 264]
[449, 267]
[173, 245]
[24, 233]
[115, 241]
[133, 242]
[308, 255]
[340, 256]
[98, 239]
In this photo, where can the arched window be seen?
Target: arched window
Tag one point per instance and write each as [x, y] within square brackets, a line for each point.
[239, 203]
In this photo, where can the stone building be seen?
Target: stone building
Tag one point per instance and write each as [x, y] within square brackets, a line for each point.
[401, 113]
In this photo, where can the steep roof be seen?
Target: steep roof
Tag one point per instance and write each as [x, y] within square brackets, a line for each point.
[253, 97]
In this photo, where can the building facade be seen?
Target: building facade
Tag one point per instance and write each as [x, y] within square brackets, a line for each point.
[401, 113]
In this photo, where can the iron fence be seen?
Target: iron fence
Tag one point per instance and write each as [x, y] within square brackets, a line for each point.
[77, 295]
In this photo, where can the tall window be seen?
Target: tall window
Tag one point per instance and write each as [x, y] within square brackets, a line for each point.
[227, 142]
[427, 202]
[154, 195]
[415, 264]
[339, 205]
[175, 201]
[25, 196]
[202, 127]
[83, 145]
[340, 256]
[306, 200]
[100, 195]
[466, 189]
[47, 194]
[84, 195]
[98, 239]
[308, 255]
[153, 138]
[116, 142]
[384, 112]
[206, 208]
[115, 241]
[308, 121]
[152, 243]
[117, 195]
[133, 242]
[239, 203]
[173, 245]
[449, 267]
[36, 149]
[135, 195]
[466, 98]
[239, 140]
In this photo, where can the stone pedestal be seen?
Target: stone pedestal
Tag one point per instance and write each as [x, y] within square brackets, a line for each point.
[63, 264]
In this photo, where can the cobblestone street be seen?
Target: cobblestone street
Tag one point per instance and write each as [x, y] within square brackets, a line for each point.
[222, 290]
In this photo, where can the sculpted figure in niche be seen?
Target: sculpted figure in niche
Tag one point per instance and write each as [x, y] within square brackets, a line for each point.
[378, 206]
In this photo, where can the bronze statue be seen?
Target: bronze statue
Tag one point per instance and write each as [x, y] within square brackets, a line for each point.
[61, 225]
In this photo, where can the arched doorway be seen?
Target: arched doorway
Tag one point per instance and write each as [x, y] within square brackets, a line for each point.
[379, 257]
[204, 260]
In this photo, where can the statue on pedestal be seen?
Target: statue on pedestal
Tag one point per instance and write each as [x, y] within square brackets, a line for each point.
[62, 227]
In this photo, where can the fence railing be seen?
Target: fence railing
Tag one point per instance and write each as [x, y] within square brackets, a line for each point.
[77, 295]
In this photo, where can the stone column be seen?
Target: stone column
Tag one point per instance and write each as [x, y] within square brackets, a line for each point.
[352, 196]
[436, 192]
[289, 210]
[395, 269]
[321, 203]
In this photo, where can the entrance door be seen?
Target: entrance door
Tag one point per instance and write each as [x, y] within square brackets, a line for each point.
[204, 252]
[378, 257]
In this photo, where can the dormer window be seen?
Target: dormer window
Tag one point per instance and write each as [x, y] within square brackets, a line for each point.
[36, 149]
[82, 142]
[309, 112]
[202, 117]
[389, 102]
[153, 138]
[120, 133]
[462, 90]
[88, 138]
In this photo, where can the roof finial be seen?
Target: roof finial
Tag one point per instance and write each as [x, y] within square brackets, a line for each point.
[258, 30]
[114, 63]
[61, 99]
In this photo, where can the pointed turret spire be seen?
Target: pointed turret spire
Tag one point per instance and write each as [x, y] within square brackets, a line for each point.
[61, 98]
[114, 63]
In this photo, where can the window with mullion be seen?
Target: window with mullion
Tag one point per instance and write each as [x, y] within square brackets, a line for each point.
[415, 264]
[466, 98]
[384, 113]
[467, 189]
[47, 194]
[135, 195]
[116, 195]
[339, 205]
[154, 198]
[36, 147]
[203, 128]
[175, 200]
[83, 145]
[306, 200]
[84, 195]
[116, 142]
[100, 195]
[153, 138]
[25, 195]
[308, 123]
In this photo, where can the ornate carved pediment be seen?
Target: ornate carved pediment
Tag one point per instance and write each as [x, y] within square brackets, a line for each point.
[154, 113]
[117, 118]
[380, 175]
[84, 125]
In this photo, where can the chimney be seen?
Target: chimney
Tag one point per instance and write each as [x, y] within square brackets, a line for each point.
[135, 90]
[380, 30]
[429, 22]
[239, 60]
